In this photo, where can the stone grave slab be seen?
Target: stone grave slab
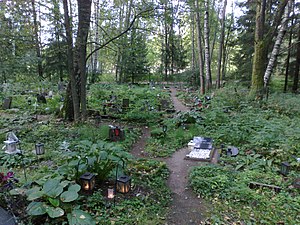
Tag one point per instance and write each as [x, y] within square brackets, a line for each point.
[201, 149]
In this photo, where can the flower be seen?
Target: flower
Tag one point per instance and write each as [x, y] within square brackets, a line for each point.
[5, 178]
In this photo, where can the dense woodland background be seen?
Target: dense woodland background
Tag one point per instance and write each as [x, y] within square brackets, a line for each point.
[204, 43]
[234, 65]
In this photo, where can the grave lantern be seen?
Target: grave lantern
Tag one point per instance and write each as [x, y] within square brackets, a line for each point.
[116, 133]
[285, 168]
[11, 144]
[39, 149]
[110, 193]
[123, 184]
[87, 182]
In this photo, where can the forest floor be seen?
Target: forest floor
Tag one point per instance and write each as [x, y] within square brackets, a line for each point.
[186, 208]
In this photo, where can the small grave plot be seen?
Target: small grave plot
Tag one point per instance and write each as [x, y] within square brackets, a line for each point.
[201, 148]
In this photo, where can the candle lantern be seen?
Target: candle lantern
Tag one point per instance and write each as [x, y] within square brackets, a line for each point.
[123, 184]
[110, 193]
[116, 133]
[39, 149]
[11, 144]
[87, 182]
[285, 168]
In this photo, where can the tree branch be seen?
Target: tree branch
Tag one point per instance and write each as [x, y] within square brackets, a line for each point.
[121, 34]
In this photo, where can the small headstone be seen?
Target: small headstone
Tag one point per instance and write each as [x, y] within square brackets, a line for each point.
[125, 103]
[7, 103]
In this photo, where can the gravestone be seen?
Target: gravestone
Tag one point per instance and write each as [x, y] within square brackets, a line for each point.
[201, 149]
[125, 103]
[7, 103]
[6, 218]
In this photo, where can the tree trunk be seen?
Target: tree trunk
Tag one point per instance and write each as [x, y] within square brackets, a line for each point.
[84, 15]
[287, 66]
[296, 74]
[259, 57]
[73, 84]
[277, 45]
[206, 44]
[200, 57]
[36, 40]
[221, 47]
[95, 62]
[193, 81]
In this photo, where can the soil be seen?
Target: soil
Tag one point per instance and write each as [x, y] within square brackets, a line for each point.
[186, 208]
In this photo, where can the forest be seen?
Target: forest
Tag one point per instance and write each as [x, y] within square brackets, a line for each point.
[149, 112]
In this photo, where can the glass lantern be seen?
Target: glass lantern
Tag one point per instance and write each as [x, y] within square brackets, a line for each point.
[39, 149]
[110, 193]
[87, 182]
[285, 168]
[123, 184]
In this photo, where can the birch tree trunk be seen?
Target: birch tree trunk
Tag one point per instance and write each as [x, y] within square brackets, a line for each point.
[95, 63]
[208, 80]
[262, 43]
[221, 47]
[277, 45]
[193, 49]
[200, 57]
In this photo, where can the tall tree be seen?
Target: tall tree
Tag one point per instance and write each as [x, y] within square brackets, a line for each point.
[221, 43]
[277, 44]
[296, 72]
[200, 49]
[261, 44]
[208, 80]
[77, 57]
[259, 49]
[37, 39]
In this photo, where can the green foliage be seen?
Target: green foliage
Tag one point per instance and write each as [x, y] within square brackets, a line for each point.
[228, 188]
[55, 197]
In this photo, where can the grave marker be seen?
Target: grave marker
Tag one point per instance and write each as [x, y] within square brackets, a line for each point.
[7, 103]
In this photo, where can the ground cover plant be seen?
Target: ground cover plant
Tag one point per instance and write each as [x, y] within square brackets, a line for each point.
[72, 149]
[266, 134]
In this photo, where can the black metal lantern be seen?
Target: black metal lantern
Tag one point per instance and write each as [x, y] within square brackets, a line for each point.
[123, 184]
[87, 182]
[285, 168]
[39, 149]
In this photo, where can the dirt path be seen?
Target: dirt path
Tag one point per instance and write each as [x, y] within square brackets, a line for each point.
[186, 208]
